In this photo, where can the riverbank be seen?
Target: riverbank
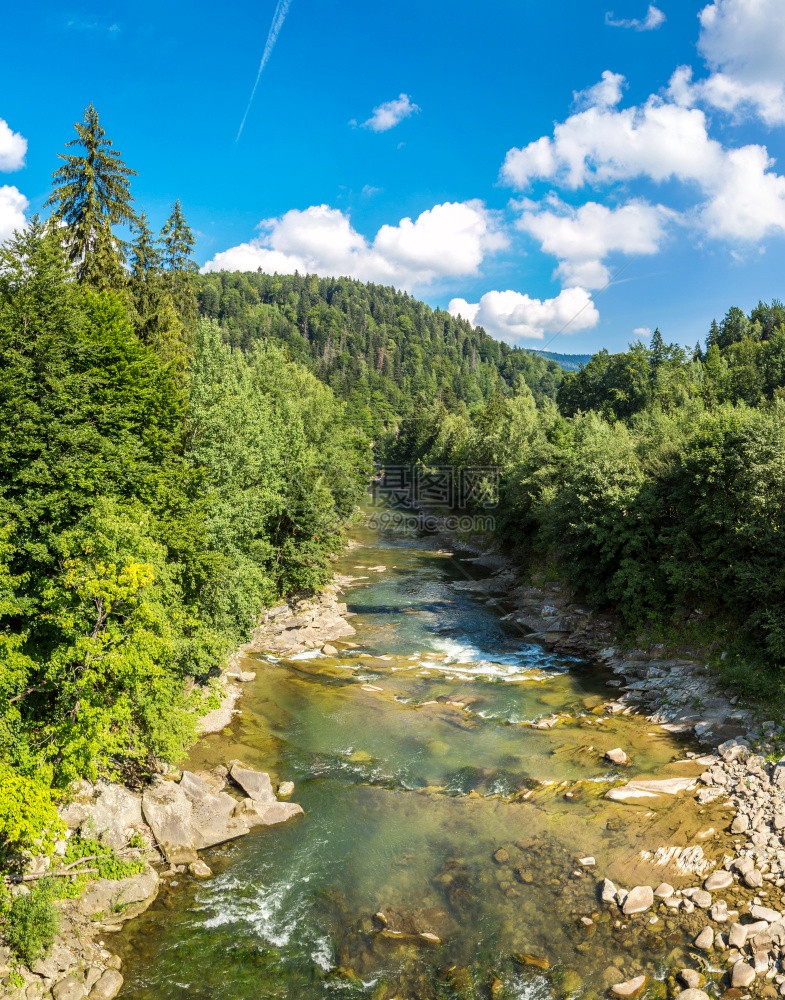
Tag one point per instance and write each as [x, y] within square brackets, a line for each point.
[736, 913]
[161, 829]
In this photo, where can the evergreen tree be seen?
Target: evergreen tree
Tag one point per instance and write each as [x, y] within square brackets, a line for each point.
[178, 244]
[91, 195]
[152, 307]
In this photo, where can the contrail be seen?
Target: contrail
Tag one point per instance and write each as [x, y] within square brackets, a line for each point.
[281, 10]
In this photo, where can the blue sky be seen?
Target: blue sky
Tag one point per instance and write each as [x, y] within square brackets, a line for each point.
[507, 159]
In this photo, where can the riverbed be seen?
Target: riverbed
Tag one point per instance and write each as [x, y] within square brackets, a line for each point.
[446, 845]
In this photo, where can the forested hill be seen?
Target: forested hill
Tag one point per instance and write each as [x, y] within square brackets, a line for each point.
[381, 350]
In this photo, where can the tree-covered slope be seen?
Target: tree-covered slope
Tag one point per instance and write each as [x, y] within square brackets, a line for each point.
[379, 349]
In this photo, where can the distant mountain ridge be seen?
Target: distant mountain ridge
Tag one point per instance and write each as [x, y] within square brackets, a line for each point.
[569, 362]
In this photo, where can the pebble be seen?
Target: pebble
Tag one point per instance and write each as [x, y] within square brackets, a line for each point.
[630, 988]
[639, 899]
[692, 979]
[664, 891]
[705, 940]
[737, 935]
[742, 975]
[701, 898]
[718, 880]
[617, 756]
[765, 913]
[285, 789]
[607, 891]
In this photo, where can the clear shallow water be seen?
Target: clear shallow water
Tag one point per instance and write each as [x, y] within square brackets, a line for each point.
[414, 765]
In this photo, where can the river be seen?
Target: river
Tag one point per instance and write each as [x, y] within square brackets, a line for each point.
[430, 799]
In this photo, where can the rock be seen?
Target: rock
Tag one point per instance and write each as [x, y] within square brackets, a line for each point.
[641, 788]
[664, 891]
[639, 899]
[267, 814]
[69, 988]
[189, 816]
[719, 911]
[693, 993]
[501, 857]
[705, 940]
[221, 717]
[329, 650]
[607, 891]
[737, 935]
[199, 869]
[115, 815]
[740, 824]
[255, 784]
[701, 898]
[718, 880]
[617, 756]
[59, 960]
[753, 879]
[630, 988]
[765, 913]
[587, 862]
[243, 676]
[429, 937]
[108, 986]
[285, 789]
[742, 975]
[692, 979]
[105, 896]
[380, 919]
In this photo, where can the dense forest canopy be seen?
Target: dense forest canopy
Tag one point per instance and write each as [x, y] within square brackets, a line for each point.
[180, 450]
[382, 351]
[158, 488]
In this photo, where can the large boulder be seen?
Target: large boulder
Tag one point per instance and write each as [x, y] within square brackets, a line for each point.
[268, 813]
[119, 899]
[255, 784]
[115, 815]
[108, 986]
[189, 816]
[647, 788]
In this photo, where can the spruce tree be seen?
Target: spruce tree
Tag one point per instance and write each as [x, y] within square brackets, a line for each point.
[153, 310]
[91, 195]
[178, 243]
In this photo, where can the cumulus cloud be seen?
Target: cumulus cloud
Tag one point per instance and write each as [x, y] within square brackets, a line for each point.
[512, 316]
[13, 147]
[13, 205]
[391, 113]
[642, 333]
[743, 43]
[654, 18]
[448, 240]
[582, 238]
[661, 140]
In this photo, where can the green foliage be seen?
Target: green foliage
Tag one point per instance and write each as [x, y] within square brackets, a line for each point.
[388, 356]
[91, 195]
[30, 924]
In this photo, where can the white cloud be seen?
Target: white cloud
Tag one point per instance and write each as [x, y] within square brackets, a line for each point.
[13, 147]
[391, 113]
[12, 211]
[605, 94]
[512, 316]
[448, 240]
[654, 18]
[738, 196]
[642, 333]
[743, 43]
[582, 238]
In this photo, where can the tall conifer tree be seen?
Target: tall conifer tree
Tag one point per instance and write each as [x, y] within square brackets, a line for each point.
[91, 195]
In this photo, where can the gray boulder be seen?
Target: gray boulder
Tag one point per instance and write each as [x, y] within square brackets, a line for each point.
[115, 815]
[119, 899]
[69, 988]
[255, 784]
[108, 986]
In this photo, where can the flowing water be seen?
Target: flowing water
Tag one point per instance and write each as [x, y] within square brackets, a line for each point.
[415, 764]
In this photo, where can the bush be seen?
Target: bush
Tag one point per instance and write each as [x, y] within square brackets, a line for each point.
[31, 924]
